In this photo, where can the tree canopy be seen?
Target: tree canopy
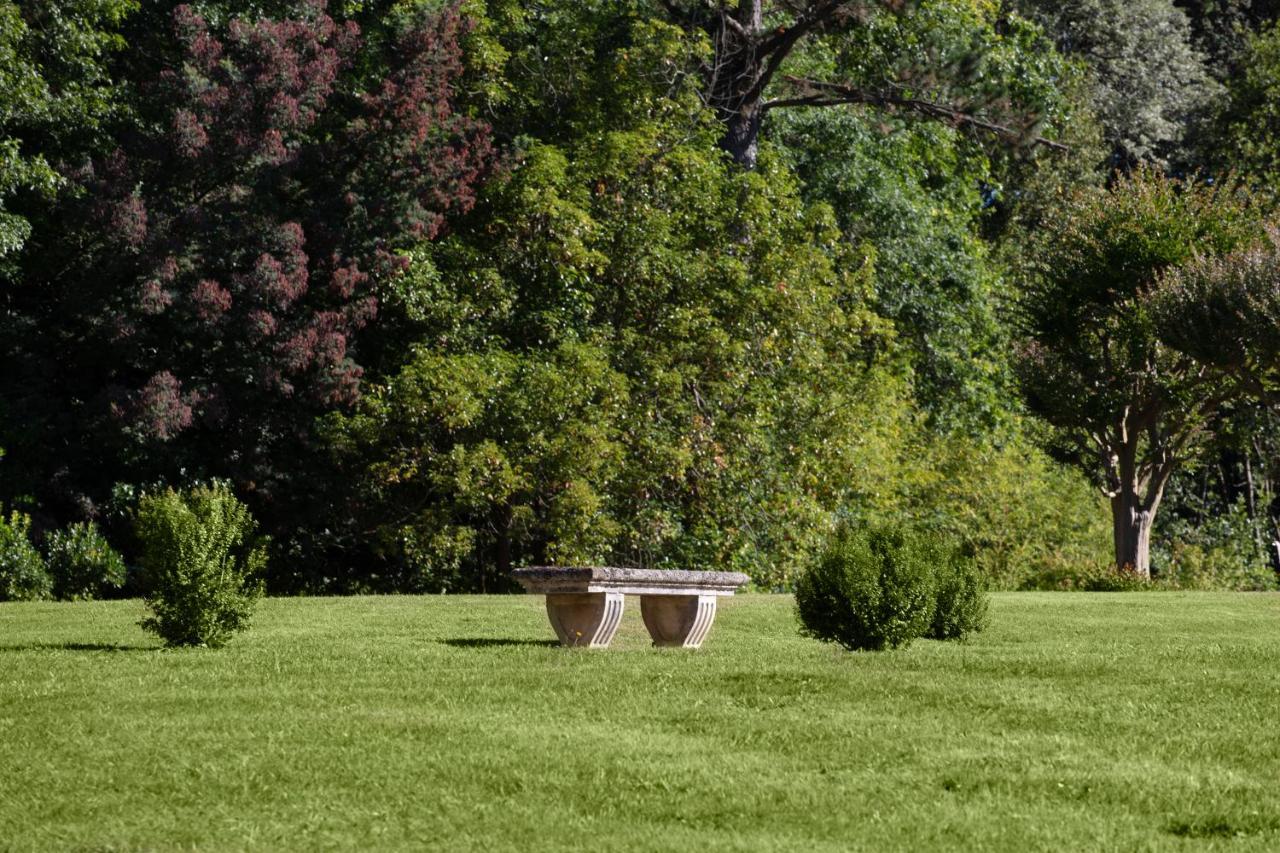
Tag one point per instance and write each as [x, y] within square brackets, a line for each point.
[440, 288]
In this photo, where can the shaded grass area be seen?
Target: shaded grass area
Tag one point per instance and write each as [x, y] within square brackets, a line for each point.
[1077, 721]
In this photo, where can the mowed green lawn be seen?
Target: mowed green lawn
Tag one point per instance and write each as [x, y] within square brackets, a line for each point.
[1076, 721]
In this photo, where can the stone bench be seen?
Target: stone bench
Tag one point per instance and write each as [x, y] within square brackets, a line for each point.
[584, 603]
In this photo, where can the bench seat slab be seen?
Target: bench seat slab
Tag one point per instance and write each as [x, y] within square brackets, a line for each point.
[557, 579]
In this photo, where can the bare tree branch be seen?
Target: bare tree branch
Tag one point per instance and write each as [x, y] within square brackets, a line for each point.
[823, 94]
[777, 46]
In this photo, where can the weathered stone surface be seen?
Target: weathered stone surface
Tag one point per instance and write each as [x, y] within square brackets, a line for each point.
[554, 579]
[584, 603]
[585, 619]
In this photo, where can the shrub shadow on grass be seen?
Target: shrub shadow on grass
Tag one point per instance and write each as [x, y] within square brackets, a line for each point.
[1222, 827]
[495, 642]
[77, 647]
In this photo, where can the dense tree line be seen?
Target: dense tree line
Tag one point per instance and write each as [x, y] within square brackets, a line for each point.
[443, 288]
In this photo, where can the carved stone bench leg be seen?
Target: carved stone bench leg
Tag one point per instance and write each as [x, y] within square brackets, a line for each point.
[585, 619]
[678, 620]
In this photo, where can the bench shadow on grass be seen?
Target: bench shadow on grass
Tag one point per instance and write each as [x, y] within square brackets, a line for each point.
[496, 642]
[76, 647]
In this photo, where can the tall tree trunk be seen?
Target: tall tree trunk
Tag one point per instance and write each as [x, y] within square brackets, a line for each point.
[738, 78]
[1133, 508]
[1131, 522]
[741, 137]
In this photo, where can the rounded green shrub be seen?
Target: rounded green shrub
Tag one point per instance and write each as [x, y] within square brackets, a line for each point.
[201, 564]
[23, 576]
[82, 563]
[959, 594]
[870, 589]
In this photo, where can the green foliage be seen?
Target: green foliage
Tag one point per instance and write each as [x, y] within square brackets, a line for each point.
[960, 596]
[651, 356]
[1008, 504]
[630, 351]
[82, 563]
[1099, 576]
[1193, 566]
[1224, 311]
[201, 563]
[23, 576]
[1226, 550]
[492, 450]
[1248, 136]
[917, 191]
[912, 195]
[1150, 84]
[54, 95]
[735, 357]
[870, 589]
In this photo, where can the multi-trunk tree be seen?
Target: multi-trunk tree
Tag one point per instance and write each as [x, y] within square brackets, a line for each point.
[1127, 406]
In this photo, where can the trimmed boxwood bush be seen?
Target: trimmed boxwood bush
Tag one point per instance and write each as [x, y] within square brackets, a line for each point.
[201, 564]
[82, 563]
[23, 576]
[881, 588]
[961, 600]
[870, 589]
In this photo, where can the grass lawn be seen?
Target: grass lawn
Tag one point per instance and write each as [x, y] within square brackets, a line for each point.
[1076, 721]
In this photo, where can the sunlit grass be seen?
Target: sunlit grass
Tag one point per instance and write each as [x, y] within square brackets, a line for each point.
[1077, 721]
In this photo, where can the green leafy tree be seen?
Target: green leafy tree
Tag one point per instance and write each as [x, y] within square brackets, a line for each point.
[55, 94]
[1224, 311]
[492, 453]
[1250, 123]
[902, 182]
[1222, 27]
[1127, 407]
[727, 405]
[703, 405]
[1150, 83]
[913, 192]
[945, 60]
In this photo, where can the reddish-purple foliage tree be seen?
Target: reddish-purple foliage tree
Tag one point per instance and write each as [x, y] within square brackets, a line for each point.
[236, 235]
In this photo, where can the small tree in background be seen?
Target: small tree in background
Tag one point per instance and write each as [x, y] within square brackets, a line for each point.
[202, 565]
[1126, 407]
